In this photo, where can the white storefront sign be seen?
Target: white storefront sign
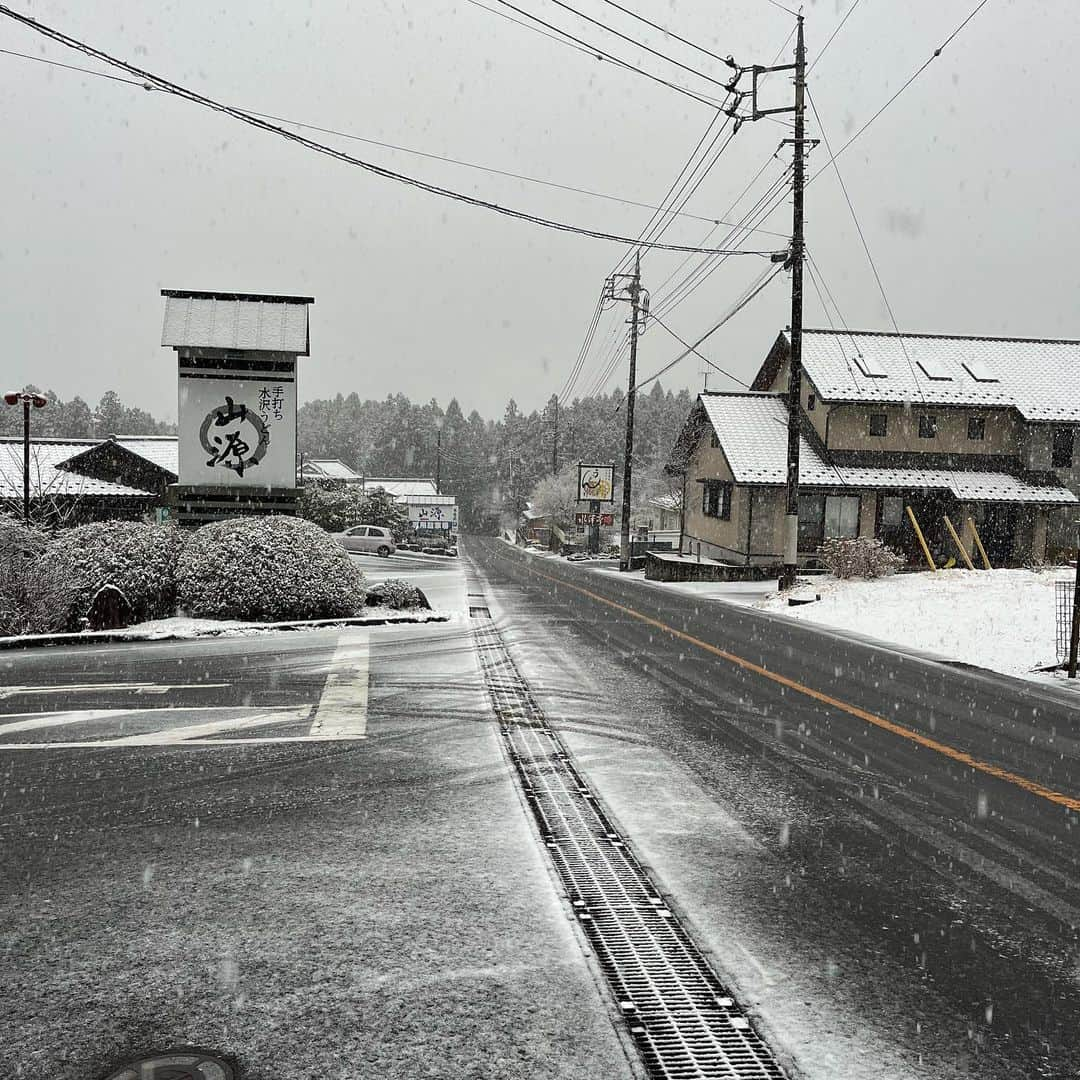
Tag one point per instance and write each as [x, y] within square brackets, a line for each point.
[435, 515]
[237, 431]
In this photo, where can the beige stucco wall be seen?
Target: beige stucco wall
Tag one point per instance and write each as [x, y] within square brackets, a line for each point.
[719, 539]
[849, 429]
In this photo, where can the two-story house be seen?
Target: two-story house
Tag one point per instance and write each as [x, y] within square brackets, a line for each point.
[984, 430]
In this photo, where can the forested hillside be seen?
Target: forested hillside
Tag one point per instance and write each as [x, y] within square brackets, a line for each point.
[491, 466]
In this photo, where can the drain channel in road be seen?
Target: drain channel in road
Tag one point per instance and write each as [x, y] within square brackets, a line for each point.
[683, 1021]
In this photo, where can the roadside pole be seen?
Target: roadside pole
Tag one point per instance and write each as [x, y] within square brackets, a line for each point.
[594, 528]
[1074, 640]
[634, 289]
[794, 395]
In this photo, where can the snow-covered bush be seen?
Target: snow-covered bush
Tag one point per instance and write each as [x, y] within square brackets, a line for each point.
[136, 558]
[860, 557]
[396, 593]
[269, 569]
[19, 585]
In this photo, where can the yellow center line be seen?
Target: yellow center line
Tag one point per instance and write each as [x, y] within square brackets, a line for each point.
[1032, 786]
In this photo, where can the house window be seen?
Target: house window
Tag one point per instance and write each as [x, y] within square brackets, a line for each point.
[927, 426]
[716, 499]
[892, 511]
[976, 428]
[811, 401]
[879, 424]
[715, 443]
[1062, 457]
[811, 522]
[842, 516]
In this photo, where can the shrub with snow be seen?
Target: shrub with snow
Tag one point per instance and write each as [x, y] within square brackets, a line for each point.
[860, 557]
[136, 558]
[396, 593]
[268, 569]
[19, 585]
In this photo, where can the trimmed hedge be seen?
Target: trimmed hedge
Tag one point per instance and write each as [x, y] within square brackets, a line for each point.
[396, 593]
[267, 569]
[137, 558]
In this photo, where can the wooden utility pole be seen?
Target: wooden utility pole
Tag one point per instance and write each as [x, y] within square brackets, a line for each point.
[634, 289]
[555, 439]
[794, 393]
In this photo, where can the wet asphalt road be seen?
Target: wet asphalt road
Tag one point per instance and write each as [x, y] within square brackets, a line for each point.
[936, 835]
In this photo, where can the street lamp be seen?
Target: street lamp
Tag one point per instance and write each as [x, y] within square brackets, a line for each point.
[38, 402]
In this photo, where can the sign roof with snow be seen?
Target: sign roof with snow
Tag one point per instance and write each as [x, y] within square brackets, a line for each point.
[236, 321]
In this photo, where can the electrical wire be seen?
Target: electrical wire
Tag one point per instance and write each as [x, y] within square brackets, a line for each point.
[836, 30]
[250, 119]
[702, 356]
[384, 145]
[933, 56]
[755, 289]
[571, 379]
[866, 247]
[775, 195]
[671, 34]
[634, 41]
[601, 54]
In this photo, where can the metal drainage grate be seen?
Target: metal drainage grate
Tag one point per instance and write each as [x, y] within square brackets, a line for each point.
[683, 1021]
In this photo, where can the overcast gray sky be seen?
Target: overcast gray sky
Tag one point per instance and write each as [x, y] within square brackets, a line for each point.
[965, 186]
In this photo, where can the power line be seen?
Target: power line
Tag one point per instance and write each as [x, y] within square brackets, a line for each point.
[714, 366]
[933, 56]
[601, 54]
[384, 145]
[862, 239]
[777, 4]
[249, 118]
[836, 30]
[635, 42]
[758, 286]
[671, 33]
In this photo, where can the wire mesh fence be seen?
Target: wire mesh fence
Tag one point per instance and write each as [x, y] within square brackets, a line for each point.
[1064, 607]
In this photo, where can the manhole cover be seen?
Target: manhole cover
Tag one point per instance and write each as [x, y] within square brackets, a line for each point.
[186, 1064]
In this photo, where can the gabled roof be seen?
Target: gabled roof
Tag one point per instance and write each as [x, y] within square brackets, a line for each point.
[161, 451]
[402, 487]
[752, 431]
[331, 468]
[240, 321]
[1040, 378]
[47, 478]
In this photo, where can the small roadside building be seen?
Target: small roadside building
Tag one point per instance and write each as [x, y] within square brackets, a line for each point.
[429, 510]
[316, 469]
[983, 430]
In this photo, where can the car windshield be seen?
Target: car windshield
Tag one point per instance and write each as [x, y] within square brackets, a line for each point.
[539, 540]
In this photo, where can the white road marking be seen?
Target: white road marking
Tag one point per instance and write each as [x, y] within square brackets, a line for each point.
[37, 721]
[342, 709]
[101, 688]
[254, 741]
[167, 736]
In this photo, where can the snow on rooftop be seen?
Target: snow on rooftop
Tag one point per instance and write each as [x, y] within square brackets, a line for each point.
[752, 430]
[46, 477]
[1039, 378]
[402, 487]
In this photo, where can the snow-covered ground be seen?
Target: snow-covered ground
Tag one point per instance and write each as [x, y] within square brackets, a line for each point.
[998, 619]
[1003, 620]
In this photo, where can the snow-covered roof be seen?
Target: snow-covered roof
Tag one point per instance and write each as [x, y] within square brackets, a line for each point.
[162, 450]
[752, 431]
[402, 487]
[242, 321]
[331, 468]
[665, 502]
[433, 500]
[46, 478]
[1039, 378]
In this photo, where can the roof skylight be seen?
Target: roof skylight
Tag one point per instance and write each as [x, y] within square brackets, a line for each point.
[934, 369]
[870, 366]
[980, 371]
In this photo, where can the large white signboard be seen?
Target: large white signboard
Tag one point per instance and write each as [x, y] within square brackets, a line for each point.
[435, 515]
[237, 432]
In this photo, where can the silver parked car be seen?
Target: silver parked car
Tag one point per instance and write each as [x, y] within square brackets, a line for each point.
[367, 538]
